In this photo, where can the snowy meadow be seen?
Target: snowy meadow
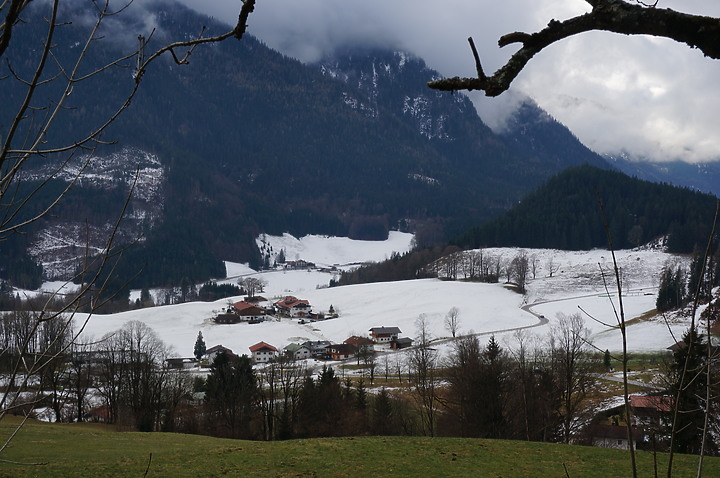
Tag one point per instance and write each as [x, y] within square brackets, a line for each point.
[580, 283]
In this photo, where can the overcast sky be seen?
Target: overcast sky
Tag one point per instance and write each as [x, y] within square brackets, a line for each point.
[649, 97]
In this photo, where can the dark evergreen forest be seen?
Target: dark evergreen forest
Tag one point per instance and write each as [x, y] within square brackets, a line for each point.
[565, 214]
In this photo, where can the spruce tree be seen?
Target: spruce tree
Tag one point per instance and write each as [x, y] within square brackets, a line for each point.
[671, 293]
[231, 394]
[698, 282]
[382, 413]
[607, 360]
[200, 348]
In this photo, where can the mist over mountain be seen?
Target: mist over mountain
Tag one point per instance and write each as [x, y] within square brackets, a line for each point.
[703, 177]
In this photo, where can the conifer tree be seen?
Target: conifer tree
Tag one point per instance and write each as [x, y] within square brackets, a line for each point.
[231, 394]
[698, 282]
[200, 347]
[671, 293]
[382, 413]
[607, 363]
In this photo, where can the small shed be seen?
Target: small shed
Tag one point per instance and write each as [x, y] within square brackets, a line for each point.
[401, 343]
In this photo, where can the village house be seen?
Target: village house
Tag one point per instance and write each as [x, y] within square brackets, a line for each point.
[299, 264]
[263, 352]
[318, 348]
[360, 343]
[649, 414]
[291, 306]
[384, 334]
[341, 351]
[241, 312]
[249, 311]
[651, 411]
[215, 350]
[297, 351]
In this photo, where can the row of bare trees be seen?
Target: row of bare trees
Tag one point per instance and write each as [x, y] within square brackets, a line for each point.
[532, 388]
[538, 390]
[485, 266]
[123, 376]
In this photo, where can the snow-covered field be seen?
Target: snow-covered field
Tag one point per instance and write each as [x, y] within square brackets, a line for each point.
[328, 251]
[484, 308]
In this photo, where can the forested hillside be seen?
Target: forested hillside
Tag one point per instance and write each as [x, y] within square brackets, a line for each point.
[565, 214]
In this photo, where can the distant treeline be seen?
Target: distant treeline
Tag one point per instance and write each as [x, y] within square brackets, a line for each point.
[410, 265]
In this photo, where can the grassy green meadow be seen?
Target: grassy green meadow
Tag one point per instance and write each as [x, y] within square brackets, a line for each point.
[90, 450]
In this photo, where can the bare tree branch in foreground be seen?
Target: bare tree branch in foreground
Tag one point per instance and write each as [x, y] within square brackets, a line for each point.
[618, 16]
[24, 137]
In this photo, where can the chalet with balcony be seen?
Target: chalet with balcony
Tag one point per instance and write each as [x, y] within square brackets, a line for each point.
[382, 335]
[291, 306]
[215, 350]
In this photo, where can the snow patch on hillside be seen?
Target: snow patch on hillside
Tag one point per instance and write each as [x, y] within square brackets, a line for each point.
[329, 251]
[60, 245]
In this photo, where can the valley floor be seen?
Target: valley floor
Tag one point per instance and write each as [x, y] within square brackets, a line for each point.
[576, 286]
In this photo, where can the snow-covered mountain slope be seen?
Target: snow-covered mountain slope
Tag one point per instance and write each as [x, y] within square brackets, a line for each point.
[61, 242]
[394, 80]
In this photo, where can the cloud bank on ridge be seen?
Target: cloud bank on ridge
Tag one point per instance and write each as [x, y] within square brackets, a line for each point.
[645, 96]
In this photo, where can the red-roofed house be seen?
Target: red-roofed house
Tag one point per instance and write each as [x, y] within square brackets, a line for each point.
[249, 311]
[293, 307]
[213, 351]
[241, 312]
[341, 351]
[651, 410]
[359, 343]
[660, 403]
[263, 352]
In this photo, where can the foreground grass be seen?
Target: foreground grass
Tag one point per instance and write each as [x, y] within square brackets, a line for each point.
[89, 451]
